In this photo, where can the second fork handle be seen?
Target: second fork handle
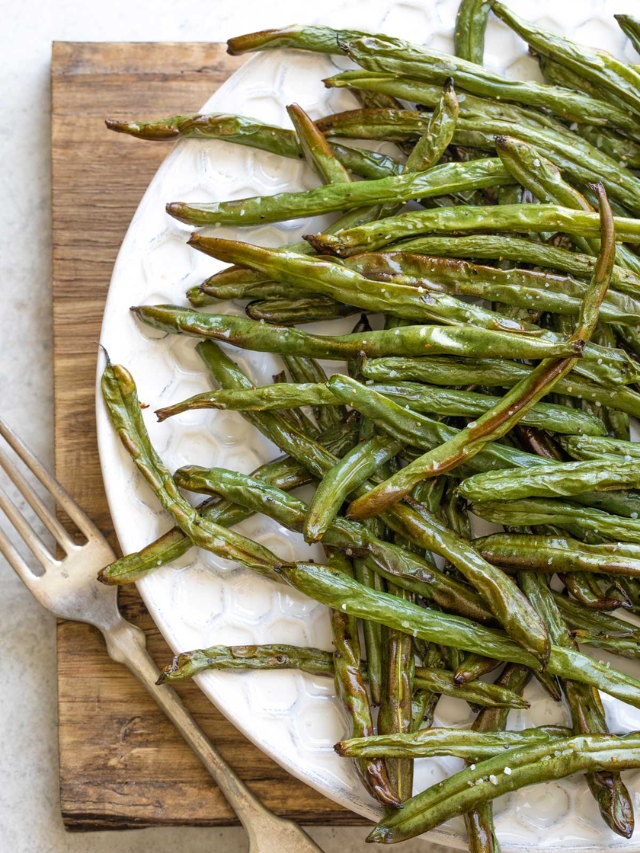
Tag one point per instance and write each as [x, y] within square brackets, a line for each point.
[126, 644]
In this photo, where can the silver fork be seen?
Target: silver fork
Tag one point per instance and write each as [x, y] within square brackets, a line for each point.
[69, 589]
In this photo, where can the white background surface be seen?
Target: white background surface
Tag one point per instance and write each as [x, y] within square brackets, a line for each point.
[29, 807]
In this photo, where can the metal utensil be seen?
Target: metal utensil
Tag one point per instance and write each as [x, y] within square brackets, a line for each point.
[68, 588]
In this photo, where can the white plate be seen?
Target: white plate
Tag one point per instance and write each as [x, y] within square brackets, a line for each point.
[202, 600]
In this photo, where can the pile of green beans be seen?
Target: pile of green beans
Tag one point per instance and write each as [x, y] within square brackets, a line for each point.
[492, 372]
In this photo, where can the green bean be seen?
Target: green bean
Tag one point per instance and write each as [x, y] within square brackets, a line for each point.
[407, 569]
[472, 667]
[286, 474]
[479, 821]
[583, 620]
[318, 39]
[395, 713]
[532, 290]
[430, 493]
[418, 398]
[382, 53]
[247, 131]
[599, 629]
[578, 520]
[426, 94]
[476, 692]
[355, 467]
[411, 340]
[541, 177]
[631, 589]
[453, 511]
[241, 658]
[318, 461]
[617, 421]
[616, 78]
[403, 568]
[376, 100]
[574, 155]
[235, 283]
[432, 144]
[352, 692]
[470, 27]
[452, 657]
[626, 151]
[586, 709]
[414, 524]
[423, 704]
[584, 587]
[512, 770]
[291, 312]
[322, 159]
[348, 285]
[508, 217]
[551, 481]
[597, 447]
[460, 743]
[503, 598]
[550, 555]
[188, 664]
[502, 247]
[304, 369]
[280, 396]
[317, 151]
[524, 288]
[372, 631]
[450, 402]
[120, 395]
[498, 421]
[626, 648]
[238, 282]
[630, 26]
[465, 371]
[258, 210]
[559, 75]
[289, 473]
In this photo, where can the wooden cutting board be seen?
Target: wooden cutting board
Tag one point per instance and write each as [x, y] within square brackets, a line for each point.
[122, 764]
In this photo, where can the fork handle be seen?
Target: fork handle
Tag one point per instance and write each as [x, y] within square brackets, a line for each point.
[126, 644]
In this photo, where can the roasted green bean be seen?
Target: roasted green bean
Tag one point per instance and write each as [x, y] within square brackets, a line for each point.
[471, 23]
[551, 481]
[617, 79]
[247, 131]
[533, 218]
[551, 554]
[439, 181]
[410, 340]
[513, 769]
[461, 743]
[630, 26]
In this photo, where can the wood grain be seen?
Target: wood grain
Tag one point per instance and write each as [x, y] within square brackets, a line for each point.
[122, 764]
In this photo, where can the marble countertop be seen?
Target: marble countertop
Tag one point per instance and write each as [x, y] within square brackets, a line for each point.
[29, 808]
